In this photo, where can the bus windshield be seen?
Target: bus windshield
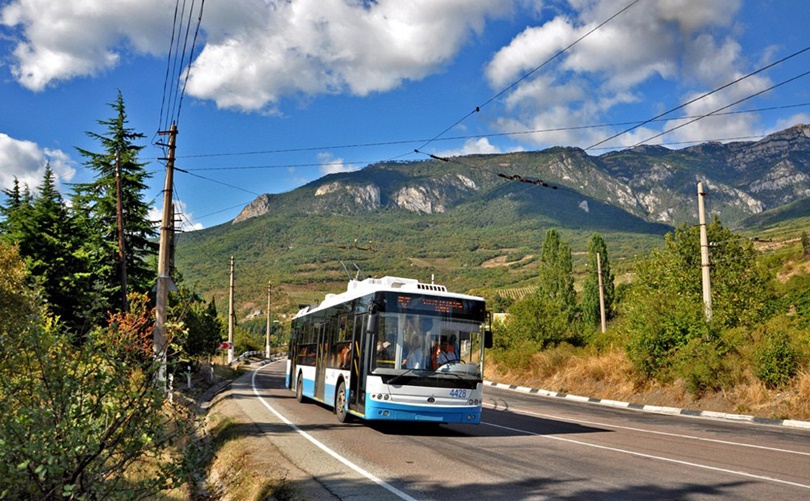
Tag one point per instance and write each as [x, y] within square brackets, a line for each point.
[421, 342]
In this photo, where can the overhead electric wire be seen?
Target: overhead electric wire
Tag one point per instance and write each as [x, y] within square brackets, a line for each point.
[702, 96]
[190, 58]
[480, 136]
[527, 75]
[725, 107]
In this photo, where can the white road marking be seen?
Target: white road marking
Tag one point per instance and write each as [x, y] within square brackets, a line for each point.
[390, 488]
[654, 432]
[650, 456]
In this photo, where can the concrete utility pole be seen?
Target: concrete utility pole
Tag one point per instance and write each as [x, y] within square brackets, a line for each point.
[122, 254]
[601, 290]
[230, 318]
[163, 279]
[704, 254]
[267, 343]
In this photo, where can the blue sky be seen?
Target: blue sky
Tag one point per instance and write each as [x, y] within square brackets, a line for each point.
[281, 93]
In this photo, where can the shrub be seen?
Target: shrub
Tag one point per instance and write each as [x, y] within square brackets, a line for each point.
[776, 360]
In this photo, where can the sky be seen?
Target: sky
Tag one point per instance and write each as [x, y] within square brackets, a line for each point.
[268, 95]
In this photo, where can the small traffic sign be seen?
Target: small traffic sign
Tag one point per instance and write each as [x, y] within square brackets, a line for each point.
[225, 345]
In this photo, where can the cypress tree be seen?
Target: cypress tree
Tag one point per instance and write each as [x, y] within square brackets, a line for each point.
[590, 291]
[556, 273]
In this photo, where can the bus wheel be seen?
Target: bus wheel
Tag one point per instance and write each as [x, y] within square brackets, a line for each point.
[340, 403]
[299, 389]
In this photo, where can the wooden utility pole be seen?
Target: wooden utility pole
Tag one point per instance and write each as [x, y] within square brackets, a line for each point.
[601, 290]
[267, 343]
[230, 318]
[122, 254]
[163, 279]
[704, 254]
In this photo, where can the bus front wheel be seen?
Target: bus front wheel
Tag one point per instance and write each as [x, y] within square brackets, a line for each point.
[340, 403]
[299, 389]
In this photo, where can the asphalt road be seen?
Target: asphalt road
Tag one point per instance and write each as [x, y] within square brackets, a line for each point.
[530, 447]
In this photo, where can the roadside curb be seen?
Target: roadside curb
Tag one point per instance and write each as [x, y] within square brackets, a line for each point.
[209, 398]
[739, 418]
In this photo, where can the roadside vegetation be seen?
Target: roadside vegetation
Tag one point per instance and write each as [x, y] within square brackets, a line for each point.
[752, 357]
[83, 411]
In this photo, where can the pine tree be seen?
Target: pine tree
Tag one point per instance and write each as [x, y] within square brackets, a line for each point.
[95, 205]
[590, 292]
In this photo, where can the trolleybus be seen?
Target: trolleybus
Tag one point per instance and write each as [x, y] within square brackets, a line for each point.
[392, 349]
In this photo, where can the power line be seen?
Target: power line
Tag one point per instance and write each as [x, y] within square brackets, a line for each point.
[527, 75]
[494, 134]
[691, 101]
[751, 96]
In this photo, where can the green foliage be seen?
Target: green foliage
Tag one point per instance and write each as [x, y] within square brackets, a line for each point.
[665, 311]
[556, 280]
[499, 303]
[95, 206]
[76, 417]
[775, 358]
[805, 240]
[538, 321]
[203, 329]
[706, 365]
[659, 326]
[591, 314]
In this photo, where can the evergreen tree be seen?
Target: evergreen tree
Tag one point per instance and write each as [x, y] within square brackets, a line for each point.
[556, 273]
[590, 293]
[50, 247]
[15, 213]
[805, 244]
[95, 204]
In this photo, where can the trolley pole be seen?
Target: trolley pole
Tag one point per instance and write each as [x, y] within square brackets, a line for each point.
[704, 254]
[163, 278]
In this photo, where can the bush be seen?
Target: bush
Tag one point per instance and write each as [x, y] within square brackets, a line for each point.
[775, 360]
[706, 366]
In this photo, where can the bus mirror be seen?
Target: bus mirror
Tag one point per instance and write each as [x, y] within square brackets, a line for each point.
[371, 326]
[487, 339]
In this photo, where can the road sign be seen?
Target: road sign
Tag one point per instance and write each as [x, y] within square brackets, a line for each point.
[225, 345]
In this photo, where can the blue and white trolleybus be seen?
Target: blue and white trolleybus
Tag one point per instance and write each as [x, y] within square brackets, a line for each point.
[392, 349]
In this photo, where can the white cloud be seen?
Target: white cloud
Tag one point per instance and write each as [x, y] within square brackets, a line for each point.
[26, 161]
[311, 47]
[472, 147]
[620, 63]
[60, 40]
[184, 219]
[332, 165]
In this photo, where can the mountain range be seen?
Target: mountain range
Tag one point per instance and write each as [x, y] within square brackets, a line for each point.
[478, 221]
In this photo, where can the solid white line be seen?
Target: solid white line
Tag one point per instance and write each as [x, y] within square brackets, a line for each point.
[654, 432]
[649, 456]
[393, 490]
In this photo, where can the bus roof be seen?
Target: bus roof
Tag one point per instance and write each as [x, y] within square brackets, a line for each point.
[359, 288]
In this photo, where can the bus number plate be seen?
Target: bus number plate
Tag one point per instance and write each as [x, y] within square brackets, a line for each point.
[457, 393]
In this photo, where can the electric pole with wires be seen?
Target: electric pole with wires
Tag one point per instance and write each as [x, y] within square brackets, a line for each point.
[164, 281]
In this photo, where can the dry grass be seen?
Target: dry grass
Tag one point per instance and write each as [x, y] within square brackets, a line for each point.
[609, 375]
